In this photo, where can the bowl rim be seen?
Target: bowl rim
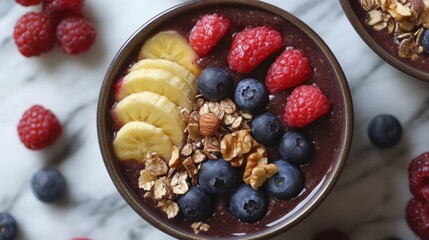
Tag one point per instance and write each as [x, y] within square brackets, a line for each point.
[379, 50]
[114, 71]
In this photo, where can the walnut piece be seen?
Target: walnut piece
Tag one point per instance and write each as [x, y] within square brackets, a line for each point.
[258, 170]
[234, 146]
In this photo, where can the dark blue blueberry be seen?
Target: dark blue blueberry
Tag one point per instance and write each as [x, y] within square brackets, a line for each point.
[296, 148]
[384, 131]
[217, 177]
[48, 185]
[195, 205]
[248, 204]
[8, 227]
[287, 183]
[251, 95]
[215, 83]
[267, 129]
[425, 40]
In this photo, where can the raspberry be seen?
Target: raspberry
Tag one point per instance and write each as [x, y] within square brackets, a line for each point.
[56, 6]
[290, 69]
[38, 128]
[305, 104]
[34, 34]
[208, 31]
[417, 215]
[75, 34]
[27, 3]
[418, 171]
[251, 46]
[331, 234]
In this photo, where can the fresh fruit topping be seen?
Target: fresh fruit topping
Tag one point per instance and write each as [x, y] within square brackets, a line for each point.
[287, 183]
[266, 129]
[296, 148]
[384, 131]
[217, 177]
[209, 124]
[172, 46]
[251, 96]
[38, 128]
[27, 3]
[158, 81]
[331, 234]
[290, 69]
[305, 104]
[418, 177]
[195, 205]
[417, 216]
[75, 35]
[248, 204]
[34, 34]
[171, 67]
[154, 109]
[136, 139]
[58, 6]
[8, 227]
[251, 46]
[215, 83]
[425, 40]
[207, 32]
[48, 185]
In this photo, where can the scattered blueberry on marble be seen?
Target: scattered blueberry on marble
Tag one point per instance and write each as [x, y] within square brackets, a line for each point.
[217, 177]
[287, 183]
[215, 83]
[48, 185]
[384, 131]
[195, 205]
[425, 40]
[251, 95]
[8, 227]
[248, 204]
[296, 148]
[267, 129]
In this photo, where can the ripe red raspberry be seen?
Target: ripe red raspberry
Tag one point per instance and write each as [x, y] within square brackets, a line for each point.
[331, 234]
[38, 128]
[57, 6]
[251, 46]
[76, 35]
[417, 215]
[207, 32]
[305, 104]
[418, 177]
[27, 3]
[290, 69]
[34, 34]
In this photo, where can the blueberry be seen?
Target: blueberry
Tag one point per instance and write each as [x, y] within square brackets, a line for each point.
[251, 95]
[384, 131]
[296, 148]
[195, 205]
[215, 83]
[8, 227]
[48, 185]
[425, 40]
[217, 177]
[287, 183]
[248, 204]
[267, 129]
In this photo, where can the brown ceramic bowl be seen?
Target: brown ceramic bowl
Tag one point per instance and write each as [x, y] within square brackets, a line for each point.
[332, 134]
[383, 43]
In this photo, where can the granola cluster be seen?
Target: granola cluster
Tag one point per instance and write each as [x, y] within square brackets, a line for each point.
[406, 19]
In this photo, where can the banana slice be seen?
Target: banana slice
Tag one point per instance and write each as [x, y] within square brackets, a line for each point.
[172, 46]
[154, 109]
[135, 139]
[171, 67]
[158, 81]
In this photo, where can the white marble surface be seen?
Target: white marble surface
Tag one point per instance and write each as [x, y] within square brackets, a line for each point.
[368, 202]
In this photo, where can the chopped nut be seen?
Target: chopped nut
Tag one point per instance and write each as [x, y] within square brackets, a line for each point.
[198, 157]
[194, 117]
[189, 165]
[200, 227]
[193, 130]
[209, 123]
[211, 144]
[233, 146]
[257, 169]
[146, 180]
[155, 165]
[187, 150]
[175, 158]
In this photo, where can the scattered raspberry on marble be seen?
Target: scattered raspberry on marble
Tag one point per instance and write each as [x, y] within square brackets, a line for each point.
[34, 34]
[76, 35]
[290, 69]
[305, 104]
[418, 177]
[27, 3]
[251, 46]
[207, 32]
[38, 128]
[52, 6]
[417, 216]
